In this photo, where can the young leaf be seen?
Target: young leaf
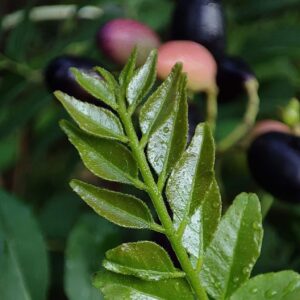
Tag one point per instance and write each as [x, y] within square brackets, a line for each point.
[284, 285]
[160, 103]
[203, 223]
[234, 249]
[116, 286]
[128, 71]
[121, 209]
[192, 175]
[105, 158]
[145, 260]
[22, 277]
[92, 119]
[96, 87]
[168, 141]
[108, 77]
[142, 81]
[86, 246]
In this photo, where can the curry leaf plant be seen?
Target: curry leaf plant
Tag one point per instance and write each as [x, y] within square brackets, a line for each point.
[216, 254]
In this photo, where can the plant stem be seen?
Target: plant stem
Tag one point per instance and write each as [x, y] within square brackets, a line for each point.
[52, 13]
[242, 129]
[158, 202]
[212, 107]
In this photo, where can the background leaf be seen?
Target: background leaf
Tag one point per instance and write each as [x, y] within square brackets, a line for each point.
[276, 286]
[23, 257]
[145, 260]
[231, 255]
[106, 159]
[86, 246]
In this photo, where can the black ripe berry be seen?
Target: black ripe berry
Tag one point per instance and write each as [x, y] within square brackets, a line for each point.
[274, 161]
[201, 21]
[232, 75]
[58, 75]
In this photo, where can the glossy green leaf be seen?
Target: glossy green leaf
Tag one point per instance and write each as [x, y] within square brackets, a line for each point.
[124, 287]
[160, 103]
[121, 209]
[23, 254]
[96, 87]
[107, 159]
[168, 141]
[145, 260]
[192, 175]
[142, 81]
[128, 71]
[284, 285]
[202, 225]
[108, 77]
[92, 119]
[86, 246]
[235, 247]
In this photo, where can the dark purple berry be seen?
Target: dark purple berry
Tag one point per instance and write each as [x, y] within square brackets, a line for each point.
[274, 161]
[232, 75]
[58, 75]
[201, 21]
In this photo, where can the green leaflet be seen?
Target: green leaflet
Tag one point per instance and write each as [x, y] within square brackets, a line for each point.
[202, 225]
[145, 260]
[128, 70]
[192, 175]
[235, 247]
[284, 285]
[121, 209]
[23, 254]
[193, 193]
[142, 81]
[109, 78]
[124, 287]
[96, 87]
[168, 141]
[159, 104]
[105, 158]
[89, 239]
[92, 119]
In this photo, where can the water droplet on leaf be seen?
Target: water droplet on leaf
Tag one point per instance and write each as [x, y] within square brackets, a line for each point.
[256, 226]
[270, 293]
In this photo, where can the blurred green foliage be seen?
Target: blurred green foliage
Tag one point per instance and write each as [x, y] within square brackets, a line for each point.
[36, 161]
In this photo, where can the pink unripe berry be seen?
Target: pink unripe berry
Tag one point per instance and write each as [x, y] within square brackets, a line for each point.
[198, 63]
[265, 126]
[118, 37]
